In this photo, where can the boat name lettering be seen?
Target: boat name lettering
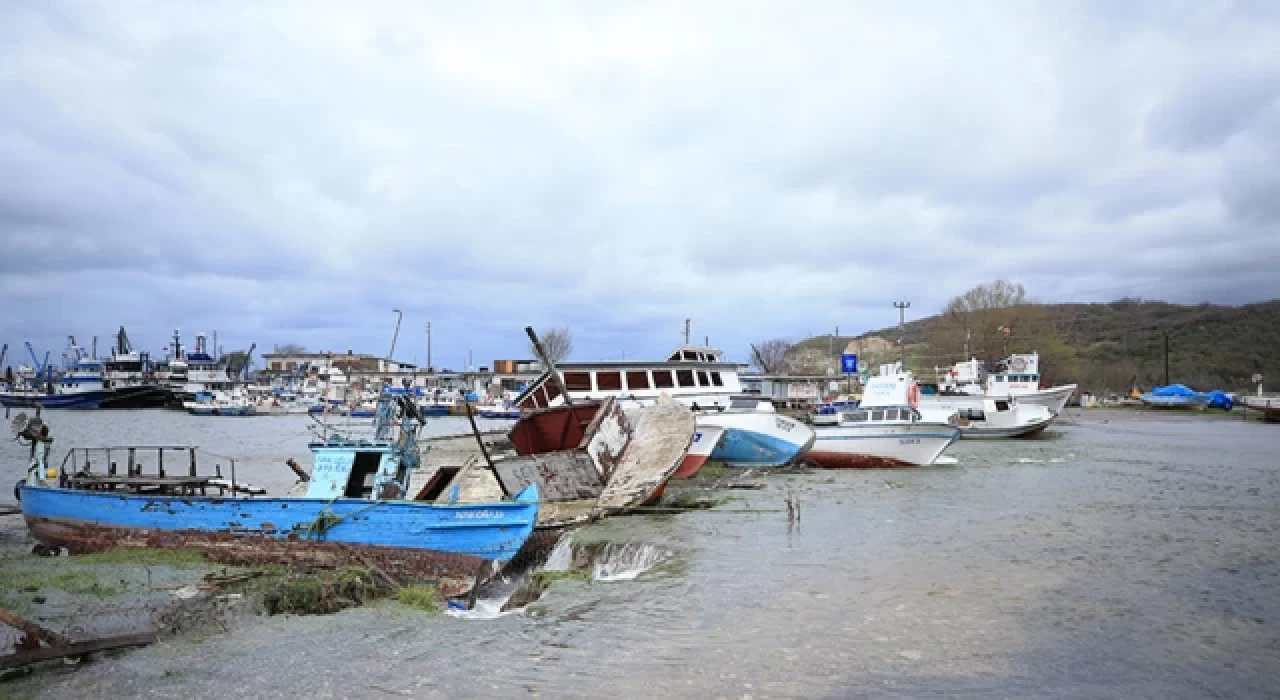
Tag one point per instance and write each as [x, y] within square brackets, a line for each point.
[697, 437]
[783, 424]
[908, 441]
[478, 514]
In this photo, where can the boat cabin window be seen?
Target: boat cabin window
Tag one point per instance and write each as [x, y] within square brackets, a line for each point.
[877, 415]
[363, 472]
[855, 417]
[552, 391]
[638, 380]
[703, 379]
[577, 381]
[609, 381]
[688, 355]
[1002, 405]
[662, 379]
[716, 380]
[684, 377]
[743, 403]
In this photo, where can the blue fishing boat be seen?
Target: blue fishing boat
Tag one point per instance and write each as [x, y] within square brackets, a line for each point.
[355, 508]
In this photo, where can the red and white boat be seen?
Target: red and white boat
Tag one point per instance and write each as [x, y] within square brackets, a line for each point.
[886, 430]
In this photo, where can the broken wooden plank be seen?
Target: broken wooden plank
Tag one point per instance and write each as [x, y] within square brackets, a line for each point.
[25, 658]
[33, 631]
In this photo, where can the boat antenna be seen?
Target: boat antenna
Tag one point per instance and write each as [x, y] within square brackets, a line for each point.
[902, 307]
[548, 364]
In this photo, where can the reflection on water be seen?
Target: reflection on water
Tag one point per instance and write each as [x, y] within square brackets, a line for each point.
[1125, 555]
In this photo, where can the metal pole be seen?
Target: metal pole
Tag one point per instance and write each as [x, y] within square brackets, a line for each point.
[902, 307]
[428, 346]
[399, 315]
[1166, 359]
[686, 331]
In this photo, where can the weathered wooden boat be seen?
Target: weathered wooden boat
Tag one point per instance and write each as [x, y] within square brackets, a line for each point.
[354, 511]
[587, 459]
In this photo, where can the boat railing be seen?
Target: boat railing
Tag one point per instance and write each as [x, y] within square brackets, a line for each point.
[97, 468]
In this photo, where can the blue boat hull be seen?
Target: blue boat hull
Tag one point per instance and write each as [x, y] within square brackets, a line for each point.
[87, 399]
[748, 448]
[416, 540]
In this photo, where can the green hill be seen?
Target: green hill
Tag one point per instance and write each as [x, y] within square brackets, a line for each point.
[1104, 347]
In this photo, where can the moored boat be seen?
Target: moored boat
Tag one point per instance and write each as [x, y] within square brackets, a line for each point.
[354, 511]
[1268, 405]
[886, 430]
[986, 417]
[698, 377]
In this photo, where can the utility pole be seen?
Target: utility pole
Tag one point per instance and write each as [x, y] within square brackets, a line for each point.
[1166, 359]
[902, 307]
[399, 315]
[966, 345]
[686, 331]
[428, 346]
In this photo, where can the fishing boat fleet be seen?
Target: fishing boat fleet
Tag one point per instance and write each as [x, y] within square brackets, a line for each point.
[589, 441]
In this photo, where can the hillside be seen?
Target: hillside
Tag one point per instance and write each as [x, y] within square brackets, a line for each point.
[1104, 346]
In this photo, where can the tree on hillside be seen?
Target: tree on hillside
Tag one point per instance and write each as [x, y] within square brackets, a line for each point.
[770, 356]
[557, 342]
[234, 361]
[996, 319]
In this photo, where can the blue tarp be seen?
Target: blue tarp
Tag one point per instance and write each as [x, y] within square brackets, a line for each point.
[1217, 399]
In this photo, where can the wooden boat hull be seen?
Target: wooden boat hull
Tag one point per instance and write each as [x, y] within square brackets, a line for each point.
[449, 544]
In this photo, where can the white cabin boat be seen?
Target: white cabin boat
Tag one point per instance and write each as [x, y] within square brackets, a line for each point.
[988, 417]
[698, 377]
[886, 430]
[1017, 376]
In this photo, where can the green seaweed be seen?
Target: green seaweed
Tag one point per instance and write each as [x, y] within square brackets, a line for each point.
[420, 596]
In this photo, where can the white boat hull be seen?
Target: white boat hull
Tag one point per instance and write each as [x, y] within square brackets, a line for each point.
[1055, 398]
[979, 418]
[754, 438]
[1268, 405]
[874, 445]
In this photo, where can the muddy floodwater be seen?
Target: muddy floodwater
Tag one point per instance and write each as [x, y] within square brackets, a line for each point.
[1124, 555]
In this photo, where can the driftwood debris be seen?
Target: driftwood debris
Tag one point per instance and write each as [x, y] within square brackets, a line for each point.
[26, 658]
[30, 651]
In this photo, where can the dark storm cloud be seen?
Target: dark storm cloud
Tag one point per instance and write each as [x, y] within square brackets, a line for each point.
[291, 172]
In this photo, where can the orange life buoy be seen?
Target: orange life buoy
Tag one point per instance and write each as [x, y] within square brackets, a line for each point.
[913, 395]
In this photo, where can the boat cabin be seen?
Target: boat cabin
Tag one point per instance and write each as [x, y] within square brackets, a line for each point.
[1020, 374]
[880, 415]
[694, 375]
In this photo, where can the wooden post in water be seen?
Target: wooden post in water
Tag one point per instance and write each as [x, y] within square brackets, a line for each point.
[133, 464]
[160, 461]
[193, 461]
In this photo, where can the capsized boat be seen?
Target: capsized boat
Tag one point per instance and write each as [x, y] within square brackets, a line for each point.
[587, 460]
[755, 434]
[886, 430]
[355, 510]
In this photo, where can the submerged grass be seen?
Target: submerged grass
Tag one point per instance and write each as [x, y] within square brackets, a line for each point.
[546, 578]
[299, 592]
[30, 575]
[420, 596]
[140, 556]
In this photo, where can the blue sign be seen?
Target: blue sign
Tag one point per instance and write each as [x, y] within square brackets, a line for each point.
[849, 364]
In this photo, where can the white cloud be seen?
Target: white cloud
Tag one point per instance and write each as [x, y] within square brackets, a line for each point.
[291, 172]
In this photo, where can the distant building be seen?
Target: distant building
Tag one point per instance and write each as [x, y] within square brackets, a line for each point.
[349, 362]
[787, 390]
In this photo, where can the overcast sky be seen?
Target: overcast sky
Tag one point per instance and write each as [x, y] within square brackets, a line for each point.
[290, 172]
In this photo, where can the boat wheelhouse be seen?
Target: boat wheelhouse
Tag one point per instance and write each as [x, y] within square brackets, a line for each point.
[698, 377]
